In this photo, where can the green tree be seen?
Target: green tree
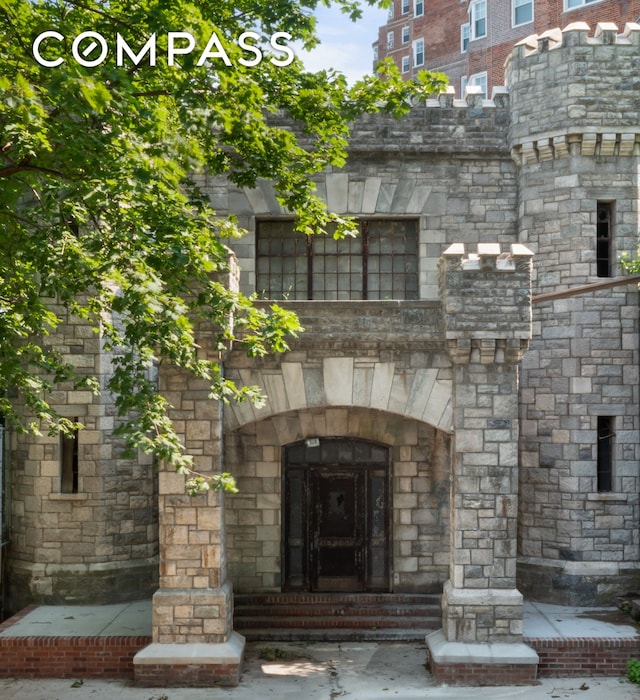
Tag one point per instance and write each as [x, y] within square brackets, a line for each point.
[98, 210]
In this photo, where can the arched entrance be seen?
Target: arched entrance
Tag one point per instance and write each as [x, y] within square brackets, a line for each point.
[336, 515]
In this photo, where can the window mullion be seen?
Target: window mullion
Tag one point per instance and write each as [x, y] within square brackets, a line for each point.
[364, 232]
[309, 267]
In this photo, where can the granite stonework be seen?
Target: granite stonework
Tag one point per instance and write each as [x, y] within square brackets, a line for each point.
[486, 395]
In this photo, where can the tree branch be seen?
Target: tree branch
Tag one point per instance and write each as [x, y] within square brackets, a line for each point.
[10, 170]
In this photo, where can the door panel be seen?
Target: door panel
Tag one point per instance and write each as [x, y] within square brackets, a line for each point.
[337, 531]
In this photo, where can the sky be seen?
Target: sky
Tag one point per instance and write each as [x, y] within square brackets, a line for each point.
[346, 46]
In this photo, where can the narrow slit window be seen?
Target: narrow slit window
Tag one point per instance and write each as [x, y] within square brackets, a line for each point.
[606, 435]
[69, 462]
[604, 239]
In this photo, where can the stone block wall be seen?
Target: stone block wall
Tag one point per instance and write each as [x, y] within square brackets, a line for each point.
[374, 371]
[578, 80]
[487, 315]
[100, 544]
[445, 164]
[578, 147]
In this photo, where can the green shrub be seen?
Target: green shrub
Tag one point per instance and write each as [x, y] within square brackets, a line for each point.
[633, 670]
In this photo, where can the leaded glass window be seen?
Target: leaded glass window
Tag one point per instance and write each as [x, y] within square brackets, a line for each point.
[380, 263]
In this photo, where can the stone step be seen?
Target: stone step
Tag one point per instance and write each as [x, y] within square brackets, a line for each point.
[337, 599]
[329, 610]
[337, 634]
[336, 617]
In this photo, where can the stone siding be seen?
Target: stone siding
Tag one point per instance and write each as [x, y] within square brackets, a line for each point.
[582, 147]
[347, 376]
[98, 545]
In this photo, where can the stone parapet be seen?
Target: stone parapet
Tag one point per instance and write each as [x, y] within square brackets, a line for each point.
[444, 124]
[487, 309]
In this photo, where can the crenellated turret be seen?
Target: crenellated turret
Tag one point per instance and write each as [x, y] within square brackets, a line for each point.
[571, 93]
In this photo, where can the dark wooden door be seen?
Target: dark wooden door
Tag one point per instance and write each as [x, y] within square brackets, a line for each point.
[336, 514]
[338, 522]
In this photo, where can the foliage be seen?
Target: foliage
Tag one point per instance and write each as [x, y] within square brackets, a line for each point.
[633, 670]
[630, 265]
[101, 219]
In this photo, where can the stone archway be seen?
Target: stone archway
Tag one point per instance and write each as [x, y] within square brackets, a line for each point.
[419, 487]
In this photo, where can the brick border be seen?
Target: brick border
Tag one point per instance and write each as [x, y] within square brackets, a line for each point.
[112, 657]
[187, 676]
[469, 674]
[69, 657]
[584, 656]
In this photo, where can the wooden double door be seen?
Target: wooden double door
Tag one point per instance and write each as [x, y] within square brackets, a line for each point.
[336, 512]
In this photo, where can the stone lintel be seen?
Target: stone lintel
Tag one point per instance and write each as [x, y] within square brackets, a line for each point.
[190, 665]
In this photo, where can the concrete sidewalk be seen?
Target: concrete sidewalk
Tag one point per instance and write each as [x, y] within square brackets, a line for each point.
[326, 671]
[540, 620]
[319, 671]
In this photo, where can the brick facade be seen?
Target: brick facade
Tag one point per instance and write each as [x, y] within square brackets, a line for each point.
[440, 28]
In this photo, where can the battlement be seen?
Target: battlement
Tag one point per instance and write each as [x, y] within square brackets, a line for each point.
[486, 302]
[489, 256]
[577, 34]
[567, 87]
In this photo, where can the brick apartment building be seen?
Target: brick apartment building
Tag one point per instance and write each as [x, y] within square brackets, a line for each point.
[469, 40]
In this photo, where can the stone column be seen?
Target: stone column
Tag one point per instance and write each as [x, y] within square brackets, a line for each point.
[487, 317]
[193, 639]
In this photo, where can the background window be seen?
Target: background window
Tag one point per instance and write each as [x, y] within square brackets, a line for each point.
[464, 37]
[405, 34]
[478, 19]
[418, 8]
[405, 7]
[479, 79]
[522, 12]
[406, 64]
[390, 40]
[418, 52]
[380, 263]
[570, 4]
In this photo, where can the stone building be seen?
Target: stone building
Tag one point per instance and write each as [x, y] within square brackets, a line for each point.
[460, 416]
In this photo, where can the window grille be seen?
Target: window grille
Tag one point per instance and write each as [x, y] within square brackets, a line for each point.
[380, 263]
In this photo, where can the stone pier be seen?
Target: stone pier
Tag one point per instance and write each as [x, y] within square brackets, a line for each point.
[193, 639]
[487, 312]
